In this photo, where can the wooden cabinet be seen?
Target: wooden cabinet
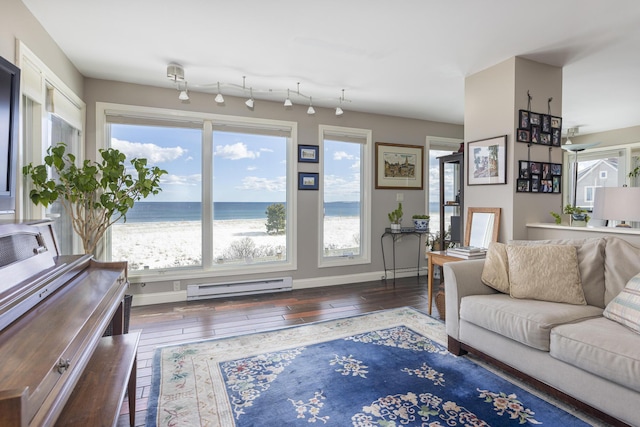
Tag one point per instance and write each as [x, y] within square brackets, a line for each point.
[451, 199]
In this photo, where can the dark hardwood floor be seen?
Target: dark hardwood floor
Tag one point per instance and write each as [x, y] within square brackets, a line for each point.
[164, 324]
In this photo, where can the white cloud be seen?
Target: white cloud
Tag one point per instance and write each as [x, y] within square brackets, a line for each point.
[341, 188]
[236, 151]
[251, 168]
[264, 184]
[152, 152]
[341, 155]
[190, 180]
[266, 150]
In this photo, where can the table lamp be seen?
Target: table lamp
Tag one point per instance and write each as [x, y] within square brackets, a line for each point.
[617, 203]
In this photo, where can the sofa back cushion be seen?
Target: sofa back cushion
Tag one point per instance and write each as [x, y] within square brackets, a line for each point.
[591, 264]
[622, 262]
[495, 272]
[546, 273]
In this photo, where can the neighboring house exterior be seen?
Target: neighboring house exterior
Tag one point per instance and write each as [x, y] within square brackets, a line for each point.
[602, 173]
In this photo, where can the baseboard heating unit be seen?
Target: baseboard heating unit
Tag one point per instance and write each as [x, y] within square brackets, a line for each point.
[228, 289]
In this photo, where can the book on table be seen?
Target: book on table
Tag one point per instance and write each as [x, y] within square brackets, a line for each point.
[468, 254]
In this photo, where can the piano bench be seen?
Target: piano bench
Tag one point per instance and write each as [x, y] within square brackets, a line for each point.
[98, 396]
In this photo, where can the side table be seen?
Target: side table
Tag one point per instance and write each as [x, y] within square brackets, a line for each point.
[437, 258]
[394, 238]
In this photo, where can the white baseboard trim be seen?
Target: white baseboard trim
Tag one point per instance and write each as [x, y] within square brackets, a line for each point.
[315, 282]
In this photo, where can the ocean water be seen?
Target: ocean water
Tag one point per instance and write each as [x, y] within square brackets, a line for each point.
[192, 211]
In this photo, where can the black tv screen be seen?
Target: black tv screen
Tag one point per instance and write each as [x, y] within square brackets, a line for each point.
[9, 102]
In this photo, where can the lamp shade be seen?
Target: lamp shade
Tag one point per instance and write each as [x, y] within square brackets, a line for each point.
[617, 203]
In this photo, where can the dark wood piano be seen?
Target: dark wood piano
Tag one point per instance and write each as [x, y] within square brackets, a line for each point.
[56, 368]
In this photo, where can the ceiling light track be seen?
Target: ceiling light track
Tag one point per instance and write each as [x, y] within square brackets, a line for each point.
[175, 73]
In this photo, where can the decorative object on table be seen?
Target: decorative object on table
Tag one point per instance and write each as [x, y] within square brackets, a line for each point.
[399, 166]
[308, 154]
[617, 204]
[467, 252]
[381, 368]
[308, 180]
[421, 222]
[539, 177]
[395, 218]
[95, 195]
[572, 215]
[487, 161]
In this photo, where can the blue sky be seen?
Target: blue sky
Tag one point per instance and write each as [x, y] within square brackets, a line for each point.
[246, 167]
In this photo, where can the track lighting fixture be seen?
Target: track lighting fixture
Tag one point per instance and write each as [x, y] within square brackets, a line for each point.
[175, 72]
[249, 102]
[311, 111]
[219, 98]
[287, 102]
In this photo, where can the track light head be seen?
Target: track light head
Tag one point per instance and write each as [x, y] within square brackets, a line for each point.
[184, 95]
[287, 102]
[311, 111]
[339, 111]
[219, 98]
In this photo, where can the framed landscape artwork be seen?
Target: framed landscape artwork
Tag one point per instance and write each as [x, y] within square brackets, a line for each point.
[308, 154]
[487, 162]
[399, 166]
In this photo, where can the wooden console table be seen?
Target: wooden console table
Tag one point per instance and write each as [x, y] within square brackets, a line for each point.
[437, 258]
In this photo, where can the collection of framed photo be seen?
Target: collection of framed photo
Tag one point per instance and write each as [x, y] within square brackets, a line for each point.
[539, 177]
[536, 128]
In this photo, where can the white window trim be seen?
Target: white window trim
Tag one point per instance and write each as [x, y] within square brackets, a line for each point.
[184, 273]
[365, 208]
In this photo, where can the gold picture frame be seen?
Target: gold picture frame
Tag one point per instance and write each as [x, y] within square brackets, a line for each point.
[399, 166]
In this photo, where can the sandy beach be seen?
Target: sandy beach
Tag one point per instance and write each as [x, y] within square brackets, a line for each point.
[174, 244]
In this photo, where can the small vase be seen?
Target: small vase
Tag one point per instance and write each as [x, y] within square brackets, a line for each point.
[395, 228]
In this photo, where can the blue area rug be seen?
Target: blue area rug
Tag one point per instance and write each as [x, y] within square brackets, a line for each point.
[388, 368]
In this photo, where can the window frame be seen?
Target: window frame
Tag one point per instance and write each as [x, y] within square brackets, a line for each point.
[366, 184]
[209, 268]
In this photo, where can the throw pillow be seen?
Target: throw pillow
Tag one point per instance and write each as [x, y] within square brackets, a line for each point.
[625, 308]
[546, 273]
[495, 272]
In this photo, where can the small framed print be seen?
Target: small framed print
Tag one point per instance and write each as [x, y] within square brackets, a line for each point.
[535, 183]
[535, 168]
[545, 138]
[523, 135]
[546, 123]
[534, 119]
[307, 181]
[557, 182]
[308, 153]
[535, 134]
[546, 186]
[556, 137]
[556, 122]
[523, 186]
[523, 119]
[524, 169]
[546, 170]
[556, 169]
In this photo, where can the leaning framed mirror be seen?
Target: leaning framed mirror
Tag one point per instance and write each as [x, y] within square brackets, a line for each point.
[482, 226]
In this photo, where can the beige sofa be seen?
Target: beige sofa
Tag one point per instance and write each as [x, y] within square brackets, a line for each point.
[572, 348]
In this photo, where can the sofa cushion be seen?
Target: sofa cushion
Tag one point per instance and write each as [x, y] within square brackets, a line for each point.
[591, 263]
[625, 308]
[622, 262]
[495, 272]
[602, 347]
[526, 321]
[545, 272]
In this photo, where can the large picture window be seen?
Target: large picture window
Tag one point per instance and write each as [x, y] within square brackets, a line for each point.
[225, 202]
[345, 218]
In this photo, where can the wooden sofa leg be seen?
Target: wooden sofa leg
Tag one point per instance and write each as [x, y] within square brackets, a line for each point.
[454, 347]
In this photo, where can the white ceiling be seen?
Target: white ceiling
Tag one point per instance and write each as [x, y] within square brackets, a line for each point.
[399, 57]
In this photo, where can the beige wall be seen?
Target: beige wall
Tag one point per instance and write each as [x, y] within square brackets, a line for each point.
[384, 128]
[493, 98]
[16, 22]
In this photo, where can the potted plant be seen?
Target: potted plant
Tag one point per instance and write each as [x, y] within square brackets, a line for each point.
[571, 213]
[95, 195]
[395, 217]
[421, 223]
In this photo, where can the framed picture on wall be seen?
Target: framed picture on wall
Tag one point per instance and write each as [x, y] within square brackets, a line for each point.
[399, 166]
[487, 161]
[307, 181]
[308, 154]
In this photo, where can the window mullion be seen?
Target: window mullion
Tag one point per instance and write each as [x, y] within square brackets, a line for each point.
[207, 194]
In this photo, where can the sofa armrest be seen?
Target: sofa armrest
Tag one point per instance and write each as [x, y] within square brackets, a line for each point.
[461, 278]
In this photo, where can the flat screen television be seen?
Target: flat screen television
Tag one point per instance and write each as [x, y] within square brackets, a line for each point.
[9, 122]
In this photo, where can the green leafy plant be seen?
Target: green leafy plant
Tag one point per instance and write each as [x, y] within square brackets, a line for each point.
[556, 216]
[95, 195]
[420, 217]
[635, 172]
[395, 216]
[570, 210]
